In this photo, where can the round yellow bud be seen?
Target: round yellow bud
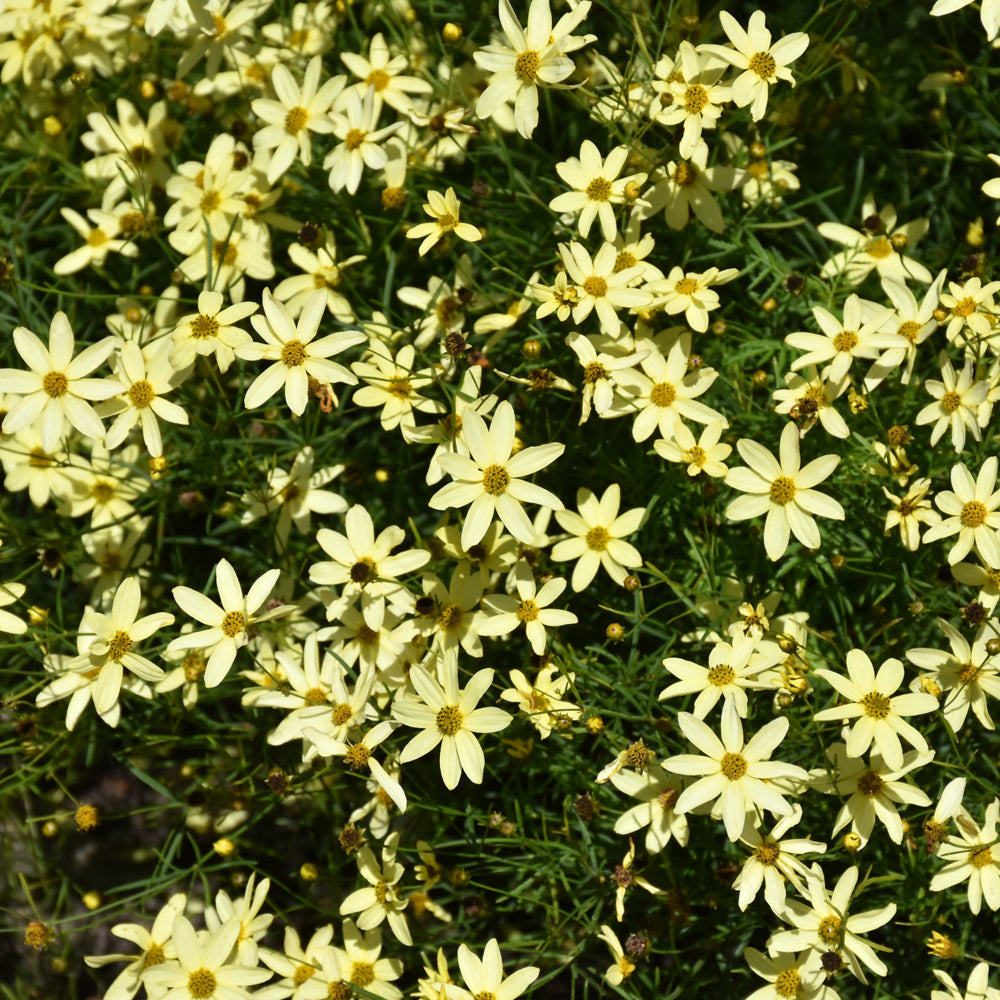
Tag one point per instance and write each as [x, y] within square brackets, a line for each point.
[92, 900]
[309, 872]
[224, 847]
[615, 632]
[52, 127]
[851, 842]
[452, 33]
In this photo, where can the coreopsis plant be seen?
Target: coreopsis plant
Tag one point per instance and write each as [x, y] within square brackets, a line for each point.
[971, 511]
[228, 623]
[533, 57]
[827, 925]
[782, 489]
[596, 186]
[55, 393]
[763, 63]
[448, 716]
[490, 477]
[297, 112]
[295, 353]
[444, 210]
[736, 771]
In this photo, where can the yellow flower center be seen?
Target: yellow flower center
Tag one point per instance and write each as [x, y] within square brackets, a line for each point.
[733, 766]
[965, 307]
[55, 384]
[695, 98]
[526, 65]
[120, 644]
[341, 714]
[845, 341]
[96, 238]
[141, 394]
[696, 456]
[339, 991]
[399, 387]
[624, 260]
[973, 514]
[204, 326]
[302, 973]
[594, 372]
[357, 756]
[449, 720]
[599, 189]
[201, 984]
[450, 618]
[721, 675]
[293, 353]
[154, 956]
[485, 995]
[596, 287]
[783, 490]
[788, 983]
[496, 479]
[662, 394]
[527, 611]
[379, 79]
[767, 854]
[685, 174]
[967, 674]
[362, 974]
[233, 623]
[686, 286]
[763, 64]
[225, 253]
[210, 201]
[354, 138]
[597, 539]
[870, 784]
[909, 330]
[315, 696]
[879, 248]
[296, 120]
[102, 491]
[829, 929]
[951, 401]
[981, 857]
[875, 705]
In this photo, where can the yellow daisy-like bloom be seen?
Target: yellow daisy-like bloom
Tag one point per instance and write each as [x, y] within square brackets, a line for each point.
[737, 772]
[704, 455]
[872, 700]
[296, 353]
[783, 491]
[444, 209]
[228, 623]
[536, 56]
[973, 854]
[910, 511]
[294, 116]
[596, 187]
[598, 534]
[623, 967]
[530, 607]
[202, 969]
[763, 64]
[485, 979]
[448, 716]
[55, 391]
[957, 400]
[378, 900]
[826, 926]
[972, 512]
[489, 478]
